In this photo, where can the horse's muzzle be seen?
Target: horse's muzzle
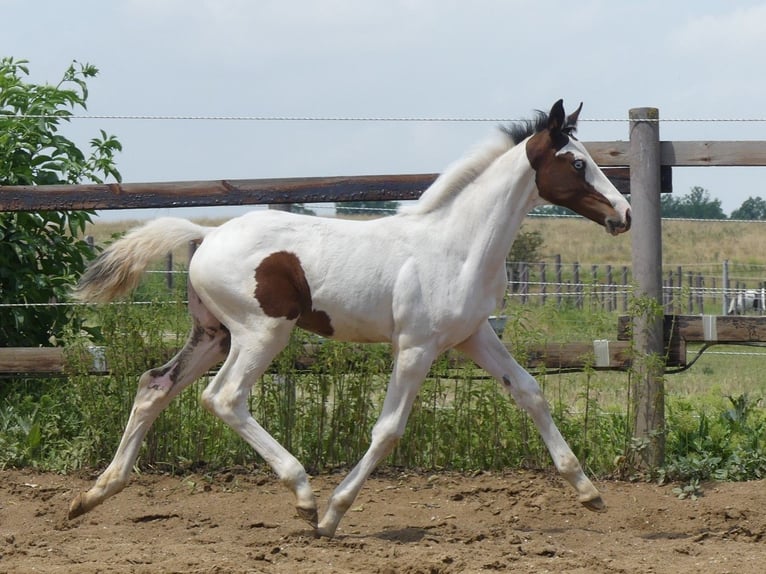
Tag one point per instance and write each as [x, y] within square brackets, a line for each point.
[616, 226]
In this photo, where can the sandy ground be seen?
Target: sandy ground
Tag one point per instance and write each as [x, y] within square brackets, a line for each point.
[402, 523]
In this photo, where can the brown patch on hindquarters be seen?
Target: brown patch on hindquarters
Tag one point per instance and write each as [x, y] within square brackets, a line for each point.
[282, 290]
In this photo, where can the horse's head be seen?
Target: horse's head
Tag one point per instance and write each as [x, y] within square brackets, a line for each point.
[566, 175]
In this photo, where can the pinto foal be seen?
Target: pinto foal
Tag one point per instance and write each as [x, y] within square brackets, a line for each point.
[424, 280]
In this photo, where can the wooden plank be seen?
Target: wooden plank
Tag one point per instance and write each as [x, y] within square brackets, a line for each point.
[340, 189]
[31, 360]
[727, 329]
[238, 192]
[686, 153]
[52, 361]
[609, 154]
[692, 328]
[212, 193]
[713, 153]
[577, 356]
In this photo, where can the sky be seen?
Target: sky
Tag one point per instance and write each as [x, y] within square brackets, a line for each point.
[697, 60]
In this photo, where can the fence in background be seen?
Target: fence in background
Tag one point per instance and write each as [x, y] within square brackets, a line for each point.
[649, 161]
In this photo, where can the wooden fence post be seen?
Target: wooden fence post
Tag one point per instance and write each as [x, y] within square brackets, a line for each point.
[646, 247]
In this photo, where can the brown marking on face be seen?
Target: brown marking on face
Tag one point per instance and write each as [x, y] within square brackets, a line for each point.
[560, 183]
[282, 290]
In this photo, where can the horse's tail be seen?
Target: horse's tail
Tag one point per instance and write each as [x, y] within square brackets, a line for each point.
[117, 270]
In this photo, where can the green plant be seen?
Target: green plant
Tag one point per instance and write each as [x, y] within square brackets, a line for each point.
[40, 252]
[692, 490]
[725, 445]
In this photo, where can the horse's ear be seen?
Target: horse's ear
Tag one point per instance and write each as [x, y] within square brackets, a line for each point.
[572, 118]
[556, 118]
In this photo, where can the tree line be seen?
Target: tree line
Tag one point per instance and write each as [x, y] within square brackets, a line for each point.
[697, 204]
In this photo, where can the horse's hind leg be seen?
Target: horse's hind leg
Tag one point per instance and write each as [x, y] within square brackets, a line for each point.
[208, 344]
[252, 349]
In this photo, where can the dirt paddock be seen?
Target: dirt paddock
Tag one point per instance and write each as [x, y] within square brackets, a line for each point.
[442, 523]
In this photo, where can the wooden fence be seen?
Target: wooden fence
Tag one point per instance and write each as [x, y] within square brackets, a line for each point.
[642, 165]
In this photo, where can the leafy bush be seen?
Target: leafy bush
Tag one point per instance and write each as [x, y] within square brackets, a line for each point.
[40, 253]
[728, 444]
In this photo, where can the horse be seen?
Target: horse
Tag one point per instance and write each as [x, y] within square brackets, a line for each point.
[425, 280]
[748, 300]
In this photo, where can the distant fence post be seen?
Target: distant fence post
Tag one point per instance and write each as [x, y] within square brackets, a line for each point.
[646, 247]
[726, 286]
[169, 271]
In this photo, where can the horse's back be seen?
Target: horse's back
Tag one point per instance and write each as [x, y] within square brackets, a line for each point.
[334, 276]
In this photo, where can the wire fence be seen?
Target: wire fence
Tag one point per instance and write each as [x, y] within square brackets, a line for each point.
[701, 288]
[322, 118]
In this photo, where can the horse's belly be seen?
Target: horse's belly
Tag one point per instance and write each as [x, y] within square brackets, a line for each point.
[364, 327]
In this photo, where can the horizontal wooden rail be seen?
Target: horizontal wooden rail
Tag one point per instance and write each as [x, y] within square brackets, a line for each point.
[686, 153]
[239, 192]
[682, 329]
[707, 328]
[612, 156]
[47, 361]
[213, 193]
[52, 361]
[606, 355]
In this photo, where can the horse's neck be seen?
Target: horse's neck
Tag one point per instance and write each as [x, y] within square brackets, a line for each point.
[488, 214]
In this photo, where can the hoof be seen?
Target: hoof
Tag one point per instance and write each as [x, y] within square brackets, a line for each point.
[324, 533]
[309, 515]
[595, 504]
[77, 508]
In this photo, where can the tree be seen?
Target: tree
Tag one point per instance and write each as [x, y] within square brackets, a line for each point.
[525, 249]
[41, 253]
[694, 205]
[751, 208]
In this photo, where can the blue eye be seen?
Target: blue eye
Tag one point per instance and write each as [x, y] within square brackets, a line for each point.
[578, 164]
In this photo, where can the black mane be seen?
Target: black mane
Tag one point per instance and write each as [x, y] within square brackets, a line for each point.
[522, 129]
[519, 131]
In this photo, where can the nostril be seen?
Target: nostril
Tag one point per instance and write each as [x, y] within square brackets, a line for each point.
[627, 220]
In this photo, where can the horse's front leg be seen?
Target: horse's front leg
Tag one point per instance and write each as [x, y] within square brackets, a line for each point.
[489, 353]
[410, 369]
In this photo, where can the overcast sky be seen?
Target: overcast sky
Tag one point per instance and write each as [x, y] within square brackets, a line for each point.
[698, 59]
